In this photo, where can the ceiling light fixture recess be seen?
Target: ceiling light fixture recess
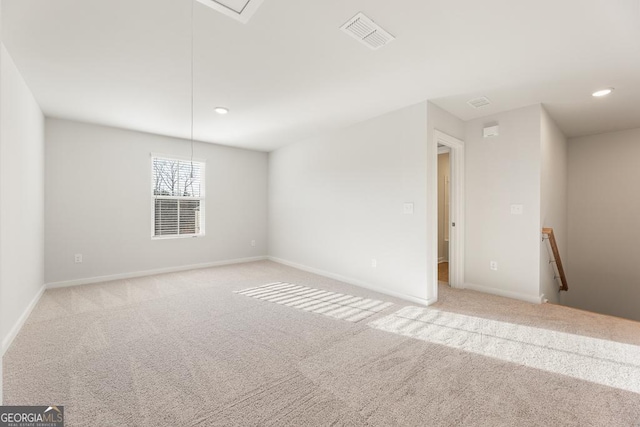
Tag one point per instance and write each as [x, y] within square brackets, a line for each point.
[221, 110]
[603, 92]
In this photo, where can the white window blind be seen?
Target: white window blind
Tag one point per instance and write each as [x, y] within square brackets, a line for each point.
[177, 197]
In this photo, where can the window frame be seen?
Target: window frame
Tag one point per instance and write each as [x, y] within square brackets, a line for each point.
[154, 197]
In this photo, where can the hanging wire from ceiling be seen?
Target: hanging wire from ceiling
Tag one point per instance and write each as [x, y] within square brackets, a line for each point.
[192, 84]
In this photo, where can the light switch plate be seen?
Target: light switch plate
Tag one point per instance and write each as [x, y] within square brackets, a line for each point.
[517, 209]
[408, 208]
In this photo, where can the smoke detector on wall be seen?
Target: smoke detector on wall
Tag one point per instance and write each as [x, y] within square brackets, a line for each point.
[490, 131]
[483, 101]
[241, 10]
[367, 32]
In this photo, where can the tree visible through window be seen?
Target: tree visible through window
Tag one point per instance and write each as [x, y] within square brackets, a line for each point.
[178, 197]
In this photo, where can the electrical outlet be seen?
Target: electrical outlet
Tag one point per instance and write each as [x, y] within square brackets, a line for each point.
[78, 258]
[253, 243]
[374, 263]
[493, 265]
[517, 209]
[407, 208]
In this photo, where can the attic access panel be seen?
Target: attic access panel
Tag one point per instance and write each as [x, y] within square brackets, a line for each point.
[241, 10]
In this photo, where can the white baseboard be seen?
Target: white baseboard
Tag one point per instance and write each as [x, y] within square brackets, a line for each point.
[99, 279]
[354, 282]
[6, 341]
[503, 293]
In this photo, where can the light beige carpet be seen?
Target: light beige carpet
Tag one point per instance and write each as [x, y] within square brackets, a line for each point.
[184, 350]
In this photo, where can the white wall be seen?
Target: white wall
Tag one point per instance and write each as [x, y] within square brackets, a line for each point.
[501, 171]
[98, 203]
[336, 203]
[553, 202]
[604, 235]
[439, 119]
[21, 198]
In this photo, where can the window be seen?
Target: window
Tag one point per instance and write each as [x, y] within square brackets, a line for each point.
[177, 197]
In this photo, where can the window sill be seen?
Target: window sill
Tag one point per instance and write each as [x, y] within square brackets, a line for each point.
[181, 236]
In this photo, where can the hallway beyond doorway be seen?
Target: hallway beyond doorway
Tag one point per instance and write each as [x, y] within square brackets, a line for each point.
[443, 272]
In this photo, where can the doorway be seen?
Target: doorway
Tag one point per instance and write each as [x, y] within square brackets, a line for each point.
[452, 230]
[444, 207]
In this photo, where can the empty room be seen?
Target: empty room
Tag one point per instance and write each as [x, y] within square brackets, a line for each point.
[319, 213]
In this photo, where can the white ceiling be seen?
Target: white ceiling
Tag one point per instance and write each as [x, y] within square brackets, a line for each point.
[236, 5]
[290, 72]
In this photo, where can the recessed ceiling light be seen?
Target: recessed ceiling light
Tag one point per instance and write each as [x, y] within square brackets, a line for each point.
[221, 110]
[603, 92]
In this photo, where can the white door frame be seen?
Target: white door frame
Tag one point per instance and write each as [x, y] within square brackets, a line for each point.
[456, 213]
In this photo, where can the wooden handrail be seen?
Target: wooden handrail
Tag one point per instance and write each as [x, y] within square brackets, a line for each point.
[556, 255]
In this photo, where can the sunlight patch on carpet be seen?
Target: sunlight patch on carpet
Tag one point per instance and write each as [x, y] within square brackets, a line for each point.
[338, 306]
[599, 361]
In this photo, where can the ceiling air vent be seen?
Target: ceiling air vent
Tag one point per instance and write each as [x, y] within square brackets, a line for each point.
[483, 101]
[242, 10]
[367, 32]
